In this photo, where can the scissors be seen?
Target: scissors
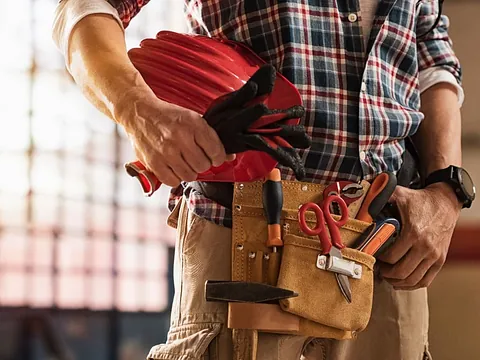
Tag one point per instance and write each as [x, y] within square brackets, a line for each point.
[330, 247]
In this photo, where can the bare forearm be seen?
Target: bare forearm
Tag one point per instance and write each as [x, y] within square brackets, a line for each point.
[100, 65]
[438, 139]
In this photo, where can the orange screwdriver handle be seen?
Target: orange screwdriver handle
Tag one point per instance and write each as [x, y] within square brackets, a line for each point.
[272, 205]
[380, 238]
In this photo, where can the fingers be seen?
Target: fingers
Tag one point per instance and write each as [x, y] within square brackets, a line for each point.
[407, 238]
[404, 268]
[196, 159]
[285, 156]
[165, 174]
[429, 276]
[398, 250]
[291, 157]
[419, 254]
[261, 83]
[399, 195]
[241, 120]
[181, 168]
[230, 157]
[184, 155]
[265, 79]
[422, 277]
[295, 135]
[207, 139]
[186, 158]
[232, 100]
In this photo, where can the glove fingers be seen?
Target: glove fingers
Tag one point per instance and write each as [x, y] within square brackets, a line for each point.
[294, 135]
[278, 129]
[279, 141]
[266, 131]
[261, 83]
[286, 156]
[298, 141]
[239, 122]
[296, 162]
[216, 105]
[265, 79]
[235, 147]
[236, 99]
[295, 112]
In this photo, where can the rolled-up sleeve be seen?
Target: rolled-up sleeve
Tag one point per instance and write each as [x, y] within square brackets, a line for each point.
[127, 9]
[69, 12]
[435, 49]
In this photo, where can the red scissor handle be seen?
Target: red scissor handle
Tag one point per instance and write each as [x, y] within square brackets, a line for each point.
[302, 218]
[323, 215]
[319, 230]
[335, 225]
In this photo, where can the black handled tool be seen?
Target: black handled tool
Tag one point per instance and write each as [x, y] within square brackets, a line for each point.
[377, 196]
[242, 291]
[378, 237]
[272, 205]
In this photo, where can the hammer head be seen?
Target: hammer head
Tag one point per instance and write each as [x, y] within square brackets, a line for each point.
[241, 291]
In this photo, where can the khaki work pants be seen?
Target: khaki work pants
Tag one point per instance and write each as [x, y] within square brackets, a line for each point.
[398, 329]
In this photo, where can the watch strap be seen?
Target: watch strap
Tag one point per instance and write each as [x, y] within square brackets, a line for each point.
[442, 175]
[450, 175]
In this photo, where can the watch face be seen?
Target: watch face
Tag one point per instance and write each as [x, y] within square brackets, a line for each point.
[467, 183]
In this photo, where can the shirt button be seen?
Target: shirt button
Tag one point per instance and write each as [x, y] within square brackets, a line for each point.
[364, 86]
[363, 155]
[352, 17]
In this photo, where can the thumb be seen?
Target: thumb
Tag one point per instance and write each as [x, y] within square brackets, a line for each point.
[399, 193]
[231, 157]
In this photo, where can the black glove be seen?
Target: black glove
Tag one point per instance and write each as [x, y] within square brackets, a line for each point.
[260, 84]
[244, 123]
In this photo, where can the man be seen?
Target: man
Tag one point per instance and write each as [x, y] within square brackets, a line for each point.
[371, 73]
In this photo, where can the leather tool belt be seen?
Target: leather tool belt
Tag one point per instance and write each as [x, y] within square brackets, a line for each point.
[319, 309]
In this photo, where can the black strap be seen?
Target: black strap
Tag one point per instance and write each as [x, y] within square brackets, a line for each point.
[408, 175]
[220, 192]
[437, 21]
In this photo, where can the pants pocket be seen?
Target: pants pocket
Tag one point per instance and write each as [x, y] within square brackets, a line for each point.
[186, 342]
[315, 349]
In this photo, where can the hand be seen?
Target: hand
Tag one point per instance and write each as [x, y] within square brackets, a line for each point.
[174, 143]
[428, 218]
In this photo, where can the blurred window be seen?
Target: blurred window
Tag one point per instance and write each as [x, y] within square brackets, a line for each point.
[75, 230]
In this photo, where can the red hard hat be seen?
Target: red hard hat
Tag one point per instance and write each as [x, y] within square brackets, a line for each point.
[192, 71]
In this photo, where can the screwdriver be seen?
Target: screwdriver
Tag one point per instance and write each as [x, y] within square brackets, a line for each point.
[381, 238]
[272, 205]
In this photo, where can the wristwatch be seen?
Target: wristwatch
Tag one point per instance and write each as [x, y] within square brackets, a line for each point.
[460, 181]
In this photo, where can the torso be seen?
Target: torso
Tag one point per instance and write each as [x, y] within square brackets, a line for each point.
[320, 48]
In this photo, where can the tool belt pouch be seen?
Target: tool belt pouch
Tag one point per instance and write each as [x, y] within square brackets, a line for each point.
[288, 268]
[319, 297]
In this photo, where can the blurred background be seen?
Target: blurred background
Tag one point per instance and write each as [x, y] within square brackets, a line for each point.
[85, 259]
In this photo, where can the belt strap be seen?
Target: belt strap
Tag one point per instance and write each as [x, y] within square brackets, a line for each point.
[245, 344]
[220, 192]
[408, 176]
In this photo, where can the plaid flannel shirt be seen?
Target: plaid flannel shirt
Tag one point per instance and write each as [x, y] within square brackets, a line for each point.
[361, 103]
